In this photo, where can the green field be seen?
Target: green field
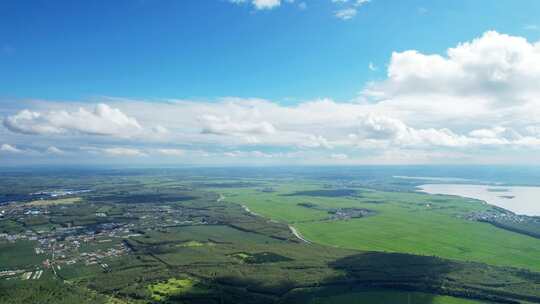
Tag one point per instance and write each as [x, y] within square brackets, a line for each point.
[52, 202]
[18, 255]
[173, 287]
[429, 234]
[404, 222]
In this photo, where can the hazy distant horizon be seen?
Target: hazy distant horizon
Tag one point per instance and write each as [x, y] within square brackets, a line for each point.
[517, 175]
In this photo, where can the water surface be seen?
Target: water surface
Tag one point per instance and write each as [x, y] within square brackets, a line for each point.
[520, 200]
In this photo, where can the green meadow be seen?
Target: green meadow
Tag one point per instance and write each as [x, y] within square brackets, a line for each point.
[173, 287]
[403, 222]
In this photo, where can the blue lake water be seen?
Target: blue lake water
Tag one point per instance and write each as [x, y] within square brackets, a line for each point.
[520, 200]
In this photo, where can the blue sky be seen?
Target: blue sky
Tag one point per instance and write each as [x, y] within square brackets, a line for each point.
[230, 71]
[67, 50]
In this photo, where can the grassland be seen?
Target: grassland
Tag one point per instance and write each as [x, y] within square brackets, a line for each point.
[53, 202]
[429, 234]
[404, 222]
[174, 287]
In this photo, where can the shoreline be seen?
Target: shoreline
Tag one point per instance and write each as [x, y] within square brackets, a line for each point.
[521, 200]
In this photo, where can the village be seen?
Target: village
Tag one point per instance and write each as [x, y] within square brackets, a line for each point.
[70, 246]
[101, 238]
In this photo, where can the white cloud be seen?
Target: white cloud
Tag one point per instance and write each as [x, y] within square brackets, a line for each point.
[119, 152]
[123, 152]
[54, 150]
[260, 155]
[346, 13]
[533, 130]
[372, 67]
[248, 154]
[266, 4]
[171, 152]
[312, 141]
[356, 3]
[385, 132]
[226, 126]
[487, 133]
[260, 4]
[394, 132]
[359, 3]
[480, 94]
[348, 9]
[103, 120]
[493, 68]
[339, 156]
[7, 148]
[486, 82]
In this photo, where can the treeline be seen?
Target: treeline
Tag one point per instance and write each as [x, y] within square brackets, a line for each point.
[45, 292]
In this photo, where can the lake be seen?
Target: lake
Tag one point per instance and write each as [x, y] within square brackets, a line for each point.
[520, 200]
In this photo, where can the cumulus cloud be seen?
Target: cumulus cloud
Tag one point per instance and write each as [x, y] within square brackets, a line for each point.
[383, 132]
[494, 68]
[395, 132]
[7, 148]
[479, 94]
[485, 88]
[103, 120]
[312, 141]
